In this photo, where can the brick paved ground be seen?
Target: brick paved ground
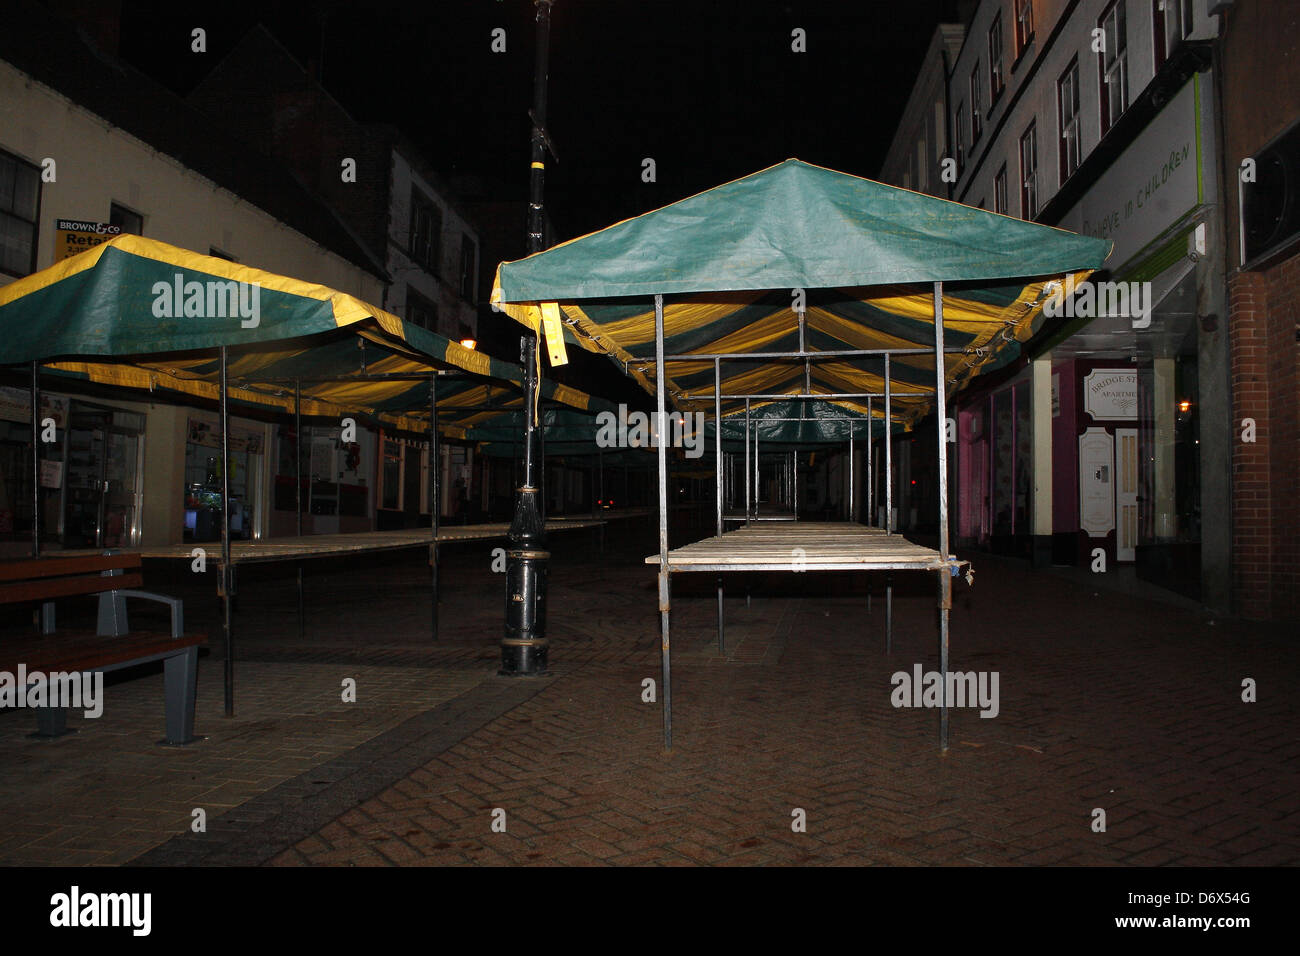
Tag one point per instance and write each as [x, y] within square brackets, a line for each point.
[1107, 700]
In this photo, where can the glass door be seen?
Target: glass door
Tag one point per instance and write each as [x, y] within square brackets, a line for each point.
[120, 525]
[84, 499]
[102, 480]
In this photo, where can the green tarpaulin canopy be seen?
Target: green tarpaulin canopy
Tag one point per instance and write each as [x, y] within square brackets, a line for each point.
[737, 263]
[140, 313]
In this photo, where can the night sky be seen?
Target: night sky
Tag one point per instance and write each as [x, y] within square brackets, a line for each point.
[709, 90]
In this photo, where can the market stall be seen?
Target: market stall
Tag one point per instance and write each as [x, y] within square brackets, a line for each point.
[799, 283]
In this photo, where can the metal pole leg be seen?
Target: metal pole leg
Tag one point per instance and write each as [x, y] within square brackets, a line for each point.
[945, 602]
[664, 586]
[722, 642]
[297, 470]
[889, 614]
[227, 573]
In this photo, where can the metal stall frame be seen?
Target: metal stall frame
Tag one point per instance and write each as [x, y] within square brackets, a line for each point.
[946, 567]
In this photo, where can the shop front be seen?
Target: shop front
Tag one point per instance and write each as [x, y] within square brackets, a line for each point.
[1132, 421]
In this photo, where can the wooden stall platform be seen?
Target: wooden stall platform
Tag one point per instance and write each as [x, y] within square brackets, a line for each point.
[804, 546]
[334, 545]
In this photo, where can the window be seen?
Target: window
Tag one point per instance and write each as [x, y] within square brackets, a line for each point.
[426, 231]
[1067, 99]
[468, 253]
[1173, 23]
[1029, 173]
[1000, 191]
[20, 198]
[1024, 24]
[959, 137]
[976, 120]
[1114, 65]
[420, 311]
[130, 222]
[996, 76]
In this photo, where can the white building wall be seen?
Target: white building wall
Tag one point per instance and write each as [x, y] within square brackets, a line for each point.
[98, 164]
[442, 289]
[1008, 119]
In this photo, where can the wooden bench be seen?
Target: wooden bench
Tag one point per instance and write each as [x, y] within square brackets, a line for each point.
[113, 576]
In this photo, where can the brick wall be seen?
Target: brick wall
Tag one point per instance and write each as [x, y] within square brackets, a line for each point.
[1263, 308]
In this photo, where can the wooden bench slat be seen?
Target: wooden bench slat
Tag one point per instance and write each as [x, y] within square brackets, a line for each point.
[30, 568]
[45, 589]
[84, 650]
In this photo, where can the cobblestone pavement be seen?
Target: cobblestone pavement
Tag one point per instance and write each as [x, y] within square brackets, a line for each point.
[1110, 701]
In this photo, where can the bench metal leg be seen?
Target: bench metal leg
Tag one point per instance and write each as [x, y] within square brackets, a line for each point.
[51, 722]
[181, 673]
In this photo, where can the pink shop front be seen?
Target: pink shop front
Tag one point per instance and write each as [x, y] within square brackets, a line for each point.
[1107, 493]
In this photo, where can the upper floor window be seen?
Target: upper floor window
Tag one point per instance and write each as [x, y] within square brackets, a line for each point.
[1114, 64]
[1000, 190]
[127, 220]
[1067, 100]
[1172, 20]
[959, 138]
[20, 198]
[996, 76]
[976, 119]
[1024, 24]
[426, 231]
[1029, 173]
[468, 254]
[420, 311]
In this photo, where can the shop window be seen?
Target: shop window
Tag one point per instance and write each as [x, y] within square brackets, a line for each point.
[404, 477]
[1003, 464]
[1023, 479]
[20, 198]
[203, 478]
[976, 116]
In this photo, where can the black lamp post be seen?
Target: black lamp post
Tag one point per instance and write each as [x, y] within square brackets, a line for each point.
[524, 646]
